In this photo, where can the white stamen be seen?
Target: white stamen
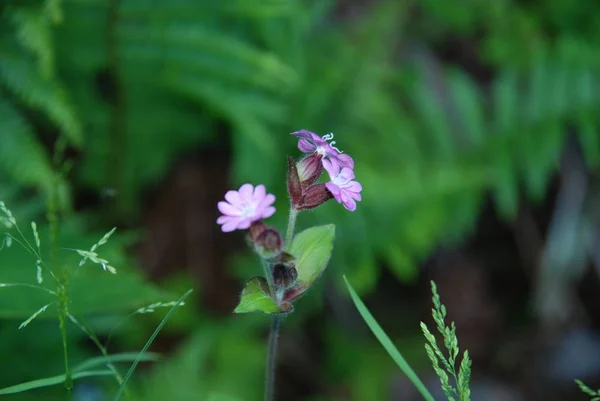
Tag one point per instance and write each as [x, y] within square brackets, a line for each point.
[329, 137]
[334, 148]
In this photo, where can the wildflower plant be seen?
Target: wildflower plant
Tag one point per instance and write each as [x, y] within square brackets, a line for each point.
[291, 265]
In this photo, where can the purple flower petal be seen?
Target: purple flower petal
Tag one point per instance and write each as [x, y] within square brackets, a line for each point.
[355, 186]
[230, 225]
[246, 191]
[341, 186]
[268, 200]
[309, 136]
[227, 209]
[306, 147]
[268, 212]
[335, 191]
[245, 223]
[332, 167]
[224, 219]
[245, 206]
[233, 197]
[345, 160]
[260, 192]
[309, 141]
[350, 205]
[346, 175]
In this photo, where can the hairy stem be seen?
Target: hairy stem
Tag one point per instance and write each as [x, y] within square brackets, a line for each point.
[269, 275]
[274, 334]
[272, 359]
[290, 228]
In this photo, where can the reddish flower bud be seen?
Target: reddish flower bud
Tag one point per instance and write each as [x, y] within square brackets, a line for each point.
[283, 257]
[268, 243]
[294, 293]
[309, 169]
[284, 275]
[293, 184]
[315, 196]
[255, 230]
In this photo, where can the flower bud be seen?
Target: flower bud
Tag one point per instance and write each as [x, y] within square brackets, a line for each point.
[309, 169]
[268, 243]
[294, 185]
[255, 230]
[282, 257]
[315, 196]
[284, 275]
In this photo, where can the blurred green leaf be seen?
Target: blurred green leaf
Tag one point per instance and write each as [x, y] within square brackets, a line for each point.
[113, 358]
[52, 381]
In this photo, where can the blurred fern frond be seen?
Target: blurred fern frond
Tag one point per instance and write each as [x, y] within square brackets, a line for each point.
[30, 89]
[154, 80]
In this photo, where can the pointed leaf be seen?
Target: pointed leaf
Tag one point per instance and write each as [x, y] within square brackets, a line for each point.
[256, 297]
[312, 250]
[51, 381]
[385, 340]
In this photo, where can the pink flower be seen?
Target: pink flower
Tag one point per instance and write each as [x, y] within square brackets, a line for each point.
[341, 186]
[245, 206]
[310, 142]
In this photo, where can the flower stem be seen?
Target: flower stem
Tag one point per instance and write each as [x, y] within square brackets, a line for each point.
[272, 358]
[269, 275]
[274, 334]
[290, 228]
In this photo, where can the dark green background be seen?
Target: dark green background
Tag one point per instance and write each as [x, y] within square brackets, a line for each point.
[474, 128]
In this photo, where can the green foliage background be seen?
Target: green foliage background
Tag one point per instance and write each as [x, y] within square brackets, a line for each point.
[131, 85]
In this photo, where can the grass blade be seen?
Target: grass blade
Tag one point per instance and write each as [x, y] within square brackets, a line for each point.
[148, 343]
[51, 381]
[387, 343]
[122, 357]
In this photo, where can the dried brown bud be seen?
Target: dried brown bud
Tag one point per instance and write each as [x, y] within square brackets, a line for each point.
[314, 196]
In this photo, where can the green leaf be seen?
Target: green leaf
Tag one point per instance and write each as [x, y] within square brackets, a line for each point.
[51, 381]
[255, 297]
[312, 249]
[387, 343]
